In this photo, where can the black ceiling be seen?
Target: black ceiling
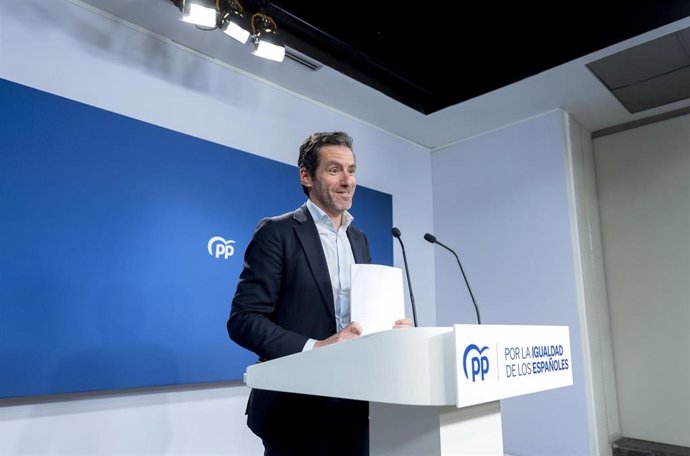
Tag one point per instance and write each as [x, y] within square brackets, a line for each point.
[431, 56]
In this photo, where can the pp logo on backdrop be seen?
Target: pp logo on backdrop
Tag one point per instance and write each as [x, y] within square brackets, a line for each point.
[479, 364]
[219, 247]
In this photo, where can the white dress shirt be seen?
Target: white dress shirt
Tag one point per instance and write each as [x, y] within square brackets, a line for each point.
[338, 251]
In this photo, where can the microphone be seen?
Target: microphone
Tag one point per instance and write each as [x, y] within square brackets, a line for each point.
[431, 238]
[396, 234]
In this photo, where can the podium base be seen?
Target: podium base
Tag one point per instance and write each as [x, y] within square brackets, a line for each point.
[410, 430]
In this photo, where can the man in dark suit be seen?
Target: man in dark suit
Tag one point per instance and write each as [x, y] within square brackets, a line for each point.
[293, 295]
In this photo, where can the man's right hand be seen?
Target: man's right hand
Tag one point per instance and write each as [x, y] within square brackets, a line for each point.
[351, 331]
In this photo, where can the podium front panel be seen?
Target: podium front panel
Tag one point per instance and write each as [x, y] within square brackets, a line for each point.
[500, 361]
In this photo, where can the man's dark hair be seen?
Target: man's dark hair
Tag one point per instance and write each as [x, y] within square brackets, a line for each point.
[310, 148]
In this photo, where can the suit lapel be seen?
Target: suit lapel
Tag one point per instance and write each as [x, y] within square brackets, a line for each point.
[311, 244]
[358, 245]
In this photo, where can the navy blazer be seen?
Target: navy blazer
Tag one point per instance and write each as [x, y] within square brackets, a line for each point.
[283, 298]
[284, 295]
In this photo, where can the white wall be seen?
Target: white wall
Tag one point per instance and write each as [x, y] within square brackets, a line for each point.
[204, 421]
[501, 199]
[643, 177]
[65, 49]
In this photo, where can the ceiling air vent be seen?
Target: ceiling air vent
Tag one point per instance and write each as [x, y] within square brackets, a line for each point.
[301, 59]
[649, 75]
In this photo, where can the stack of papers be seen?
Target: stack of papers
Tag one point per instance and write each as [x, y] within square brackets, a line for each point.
[377, 298]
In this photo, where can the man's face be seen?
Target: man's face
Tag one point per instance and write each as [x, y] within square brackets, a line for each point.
[333, 184]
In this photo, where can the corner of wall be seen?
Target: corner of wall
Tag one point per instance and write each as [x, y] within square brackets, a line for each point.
[597, 350]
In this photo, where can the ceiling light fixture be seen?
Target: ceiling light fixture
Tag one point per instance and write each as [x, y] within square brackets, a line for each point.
[200, 12]
[233, 22]
[267, 43]
[230, 17]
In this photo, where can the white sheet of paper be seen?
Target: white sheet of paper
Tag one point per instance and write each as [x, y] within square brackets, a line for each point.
[377, 299]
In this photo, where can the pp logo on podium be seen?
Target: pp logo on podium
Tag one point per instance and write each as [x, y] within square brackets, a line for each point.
[219, 247]
[479, 364]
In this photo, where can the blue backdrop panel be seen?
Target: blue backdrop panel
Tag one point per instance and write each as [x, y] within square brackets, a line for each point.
[106, 280]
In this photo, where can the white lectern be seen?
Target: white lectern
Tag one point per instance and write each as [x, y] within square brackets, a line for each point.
[432, 391]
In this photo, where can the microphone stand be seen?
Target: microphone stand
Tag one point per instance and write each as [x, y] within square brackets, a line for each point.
[396, 234]
[431, 238]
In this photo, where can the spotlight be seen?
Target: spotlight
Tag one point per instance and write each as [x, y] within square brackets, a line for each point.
[200, 12]
[233, 21]
[230, 17]
[266, 41]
